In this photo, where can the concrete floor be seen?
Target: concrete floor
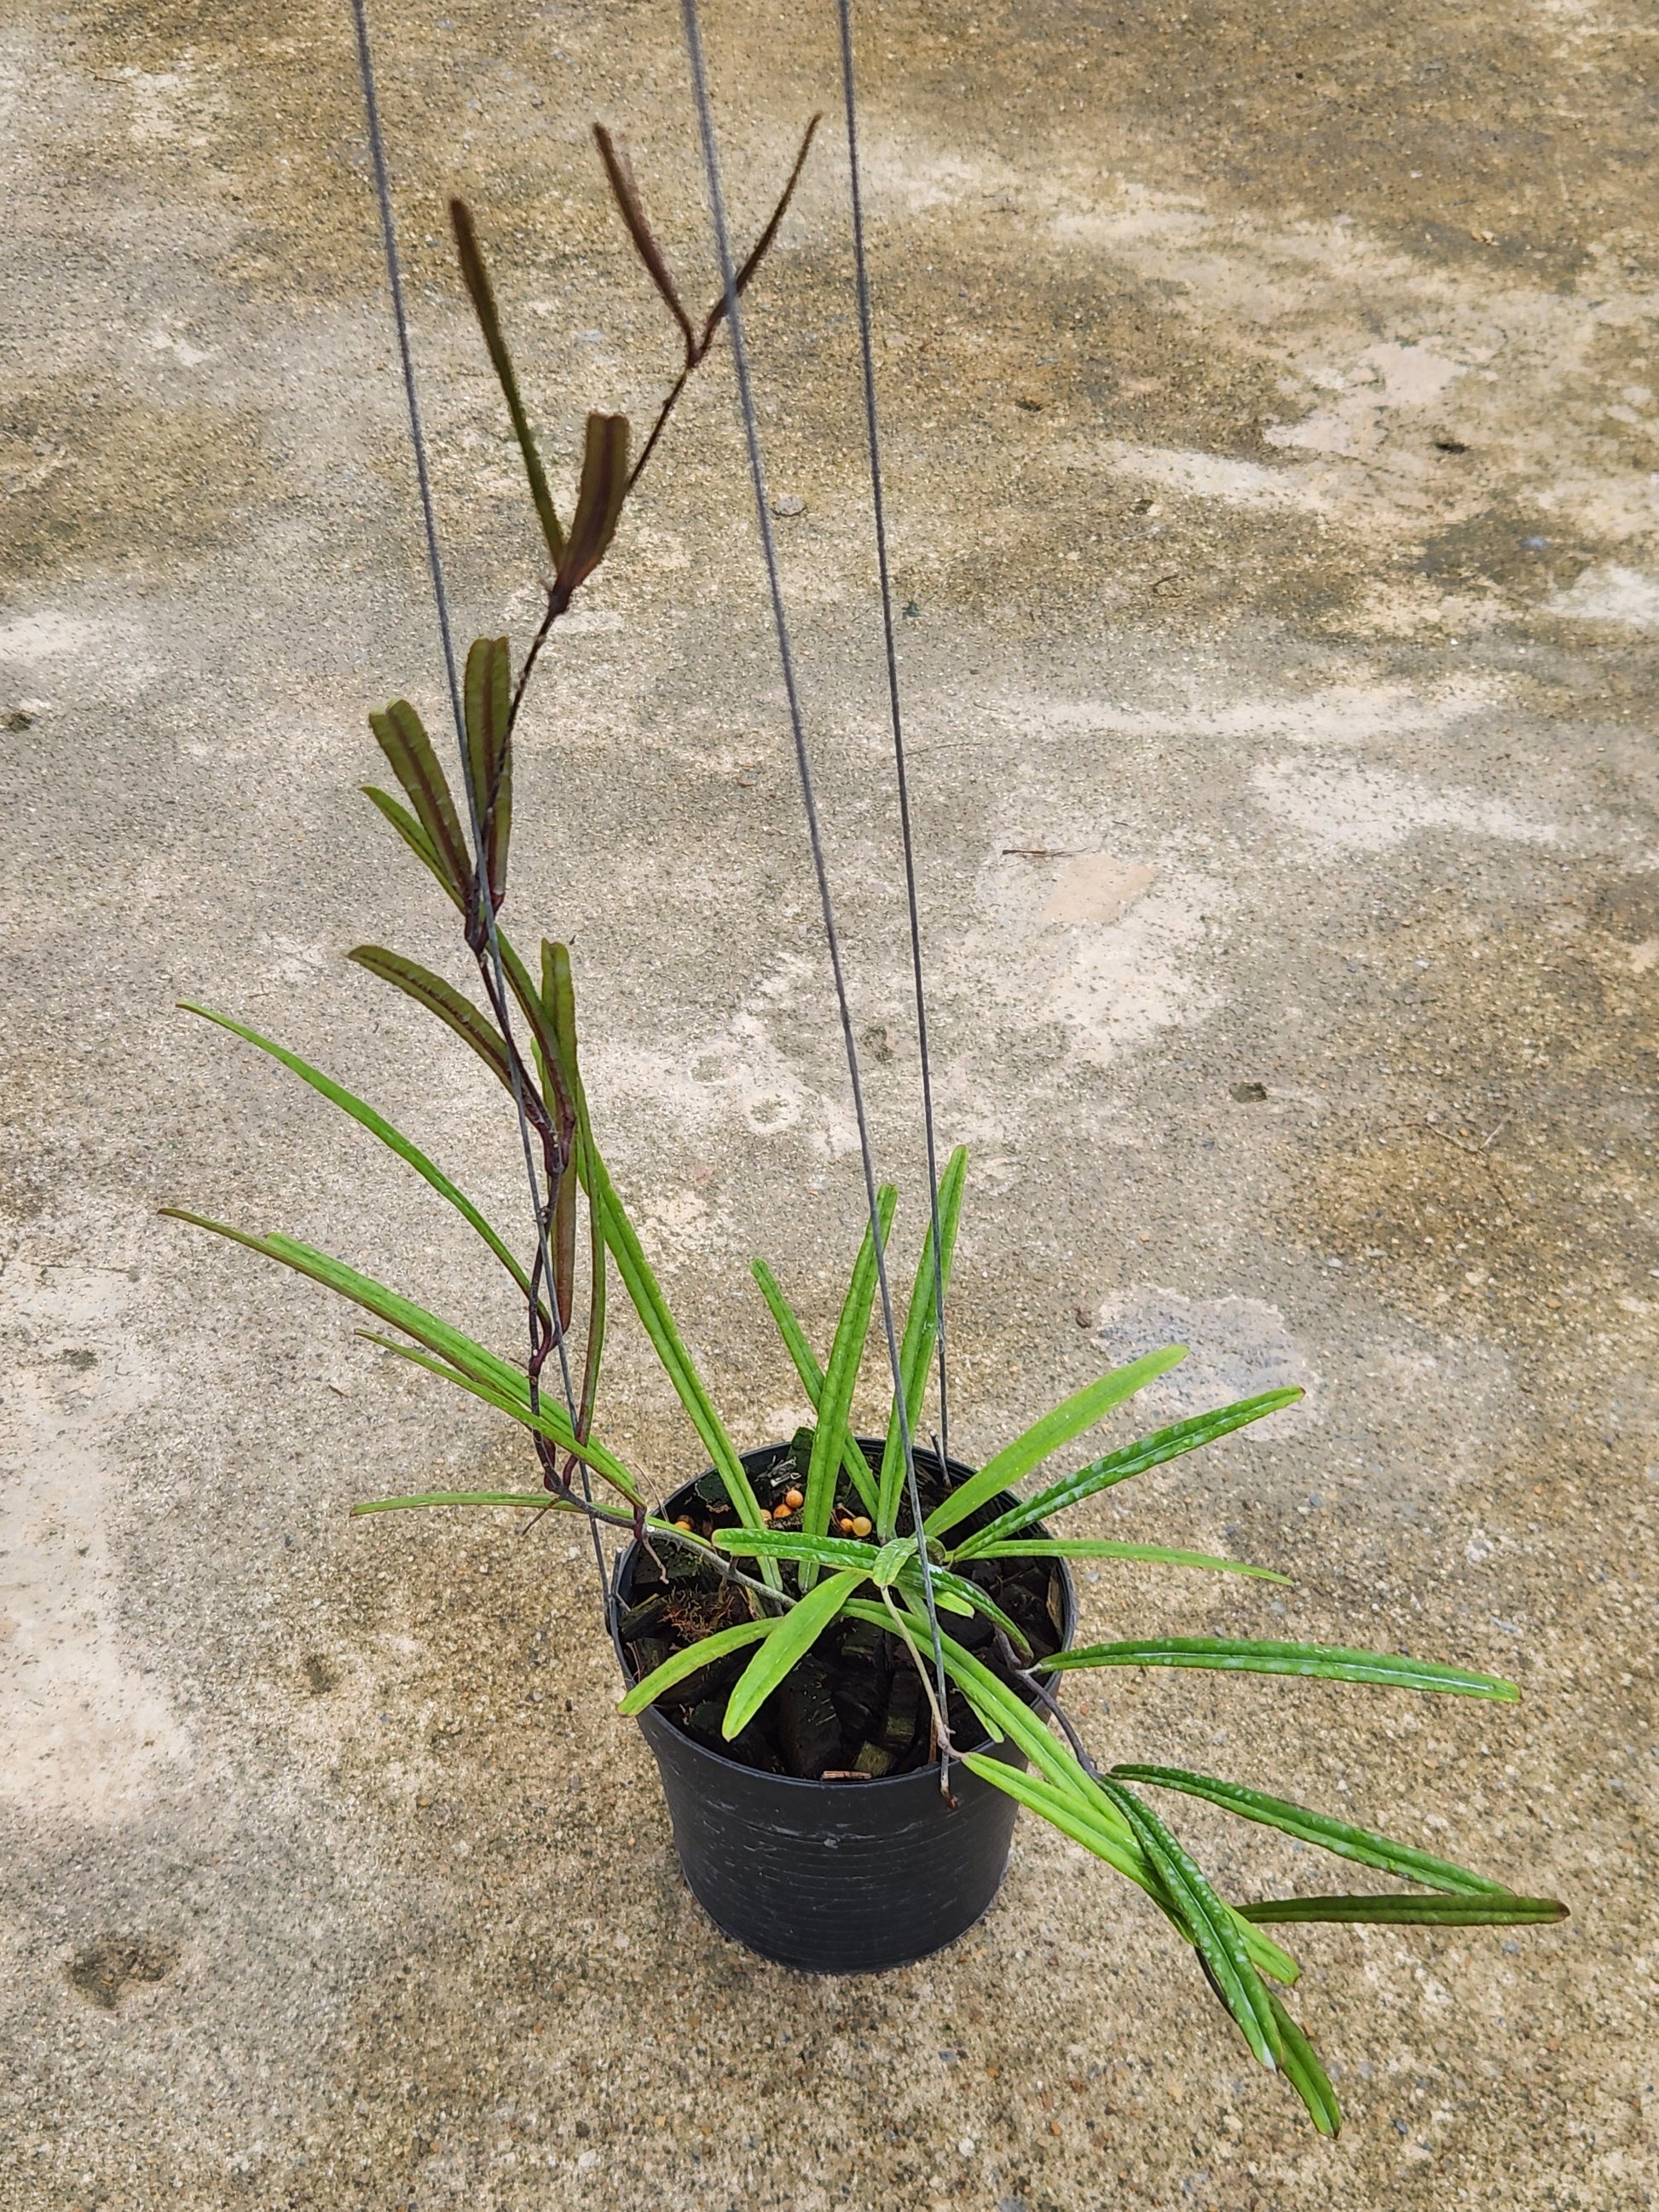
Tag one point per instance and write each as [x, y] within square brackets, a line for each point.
[1272, 405]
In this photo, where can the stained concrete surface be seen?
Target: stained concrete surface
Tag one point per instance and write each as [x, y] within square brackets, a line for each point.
[1272, 404]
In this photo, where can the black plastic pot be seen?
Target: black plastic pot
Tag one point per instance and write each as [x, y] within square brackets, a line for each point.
[830, 1877]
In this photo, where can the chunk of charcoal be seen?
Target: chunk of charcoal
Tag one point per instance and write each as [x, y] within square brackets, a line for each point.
[971, 1630]
[718, 1674]
[898, 1725]
[864, 1645]
[710, 1490]
[1023, 1604]
[650, 1651]
[641, 1619]
[704, 1720]
[809, 1727]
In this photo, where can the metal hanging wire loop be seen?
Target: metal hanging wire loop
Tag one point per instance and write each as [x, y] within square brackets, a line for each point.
[809, 799]
[879, 501]
[440, 599]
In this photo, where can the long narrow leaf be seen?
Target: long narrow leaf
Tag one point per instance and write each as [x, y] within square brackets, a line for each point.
[548, 1419]
[1341, 1837]
[619, 171]
[475, 274]
[1331, 1663]
[792, 1639]
[1304, 2073]
[1194, 1904]
[559, 996]
[787, 1544]
[920, 1332]
[758, 250]
[950, 1595]
[1071, 1815]
[853, 1463]
[1076, 1817]
[1091, 1547]
[536, 1501]
[1131, 1460]
[489, 701]
[475, 1364]
[454, 1010]
[549, 1060]
[650, 1303]
[1504, 1912]
[1081, 1410]
[412, 833]
[378, 1125]
[598, 499]
[969, 1598]
[990, 1697]
[401, 735]
[694, 1658]
[841, 1379]
[1006, 1717]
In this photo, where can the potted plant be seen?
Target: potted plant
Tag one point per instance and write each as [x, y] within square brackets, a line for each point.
[845, 1652]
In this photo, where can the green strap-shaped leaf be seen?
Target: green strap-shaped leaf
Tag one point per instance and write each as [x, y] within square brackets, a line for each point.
[559, 998]
[840, 1380]
[1069, 1814]
[993, 1700]
[547, 1418]
[787, 1544]
[694, 1657]
[1330, 1662]
[1131, 1460]
[853, 1463]
[921, 1332]
[1192, 1904]
[1090, 1547]
[376, 1124]
[1504, 1911]
[556, 1092]
[968, 1597]
[1077, 1818]
[489, 701]
[454, 1010]
[598, 499]
[650, 1303]
[1006, 1716]
[1304, 2073]
[891, 1561]
[475, 274]
[949, 1595]
[559, 995]
[1081, 1410]
[476, 1367]
[535, 1501]
[412, 833]
[792, 1639]
[1347, 1841]
[401, 736]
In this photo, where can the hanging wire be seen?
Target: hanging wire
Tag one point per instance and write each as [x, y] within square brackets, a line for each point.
[850, 101]
[440, 598]
[808, 801]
